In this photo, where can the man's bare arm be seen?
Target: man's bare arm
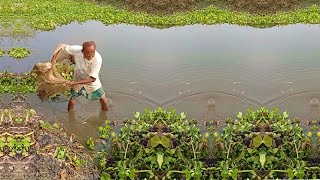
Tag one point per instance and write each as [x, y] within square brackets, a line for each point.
[84, 81]
[59, 46]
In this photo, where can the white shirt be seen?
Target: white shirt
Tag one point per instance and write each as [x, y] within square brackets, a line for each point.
[85, 68]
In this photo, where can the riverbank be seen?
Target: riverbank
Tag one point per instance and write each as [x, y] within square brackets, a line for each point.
[47, 15]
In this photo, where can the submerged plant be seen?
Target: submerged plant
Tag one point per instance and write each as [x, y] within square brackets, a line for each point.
[19, 53]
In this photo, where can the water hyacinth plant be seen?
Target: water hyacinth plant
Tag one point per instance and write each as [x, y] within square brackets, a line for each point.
[154, 145]
[263, 144]
[19, 53]
[2, 52]
[164, 145]
[47, 15]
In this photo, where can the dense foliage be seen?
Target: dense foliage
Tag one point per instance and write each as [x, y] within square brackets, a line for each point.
[263, 144]
[163, 145]
[154, 145]
[47, 15]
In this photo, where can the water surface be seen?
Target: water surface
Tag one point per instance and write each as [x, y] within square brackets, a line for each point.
[210, 72]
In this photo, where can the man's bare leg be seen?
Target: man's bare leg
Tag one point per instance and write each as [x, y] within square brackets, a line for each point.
[103, 102]
[71, 104]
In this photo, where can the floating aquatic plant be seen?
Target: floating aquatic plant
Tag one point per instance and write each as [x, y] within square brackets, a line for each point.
[47, 15]
[2, 52]
[257, 145]
[153, 145]
[19, 53]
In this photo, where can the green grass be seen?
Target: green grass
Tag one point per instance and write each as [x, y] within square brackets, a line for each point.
[47, 15]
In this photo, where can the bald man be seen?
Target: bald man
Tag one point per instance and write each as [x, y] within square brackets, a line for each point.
[86, 80]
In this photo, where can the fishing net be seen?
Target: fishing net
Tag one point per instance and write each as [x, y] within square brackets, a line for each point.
[49, 81]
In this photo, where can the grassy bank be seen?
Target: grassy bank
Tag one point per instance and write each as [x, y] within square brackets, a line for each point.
[47, 15]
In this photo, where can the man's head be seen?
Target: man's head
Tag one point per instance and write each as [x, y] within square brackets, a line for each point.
[88, 49]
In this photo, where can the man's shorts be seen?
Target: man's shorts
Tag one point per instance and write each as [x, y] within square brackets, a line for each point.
[95, 95]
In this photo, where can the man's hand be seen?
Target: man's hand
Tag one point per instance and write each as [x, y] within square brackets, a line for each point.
[53, 61]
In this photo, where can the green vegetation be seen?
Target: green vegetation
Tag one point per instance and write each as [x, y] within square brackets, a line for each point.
[19, 53]
[45, 150]
[263, 144]
[163, 145]
[16, 29]
[47, 15]
[26, 82]
[14, 83]
[154, 145]
[2, 52]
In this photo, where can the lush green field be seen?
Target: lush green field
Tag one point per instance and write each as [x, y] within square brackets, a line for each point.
[47, 15]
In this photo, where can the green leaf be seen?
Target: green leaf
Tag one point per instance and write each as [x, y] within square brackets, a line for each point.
[105, 176]
[249, 150]
[262, 159]
[290, 173]
[160, 159]
[137, 115]
[234, 174]
[148, 151]
[165, 141]
[155, 141]
[188, 174]
[257, 141]
[183, 115]
[267, 140]
[239, 115]
[132, 174]
[285, 114]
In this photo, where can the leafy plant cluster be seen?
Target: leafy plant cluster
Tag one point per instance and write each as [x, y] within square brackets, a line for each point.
[163, 145]
[16, 52]
[17, 83]
[19, 53]
[2, 52]
[154, 145]
[15, 144]
[313, 160]
[263, 144]
[47, 15]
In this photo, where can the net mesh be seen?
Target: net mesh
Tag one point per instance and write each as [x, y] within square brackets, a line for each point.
[49, 81]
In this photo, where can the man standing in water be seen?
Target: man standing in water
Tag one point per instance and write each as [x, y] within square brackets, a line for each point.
[86, 74]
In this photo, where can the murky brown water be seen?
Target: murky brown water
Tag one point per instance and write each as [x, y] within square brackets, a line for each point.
[207, 71]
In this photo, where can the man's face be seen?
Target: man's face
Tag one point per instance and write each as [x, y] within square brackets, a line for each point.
[88, 52]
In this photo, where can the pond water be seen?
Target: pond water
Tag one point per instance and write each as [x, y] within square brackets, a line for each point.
[210, 72]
